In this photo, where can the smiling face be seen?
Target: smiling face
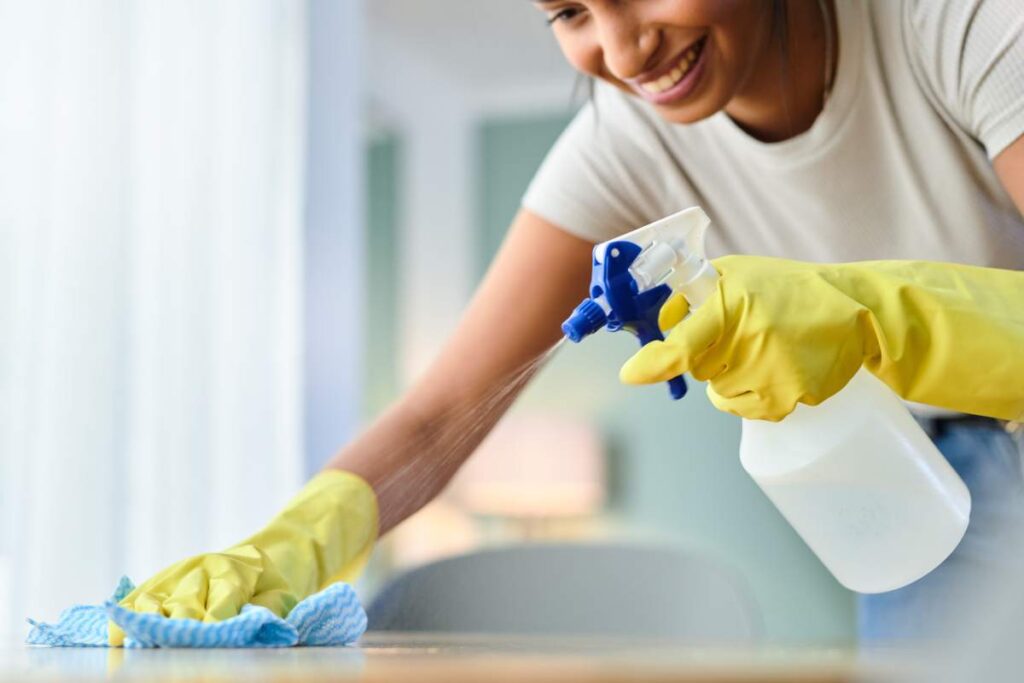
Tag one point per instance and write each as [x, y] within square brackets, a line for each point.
[688, 58]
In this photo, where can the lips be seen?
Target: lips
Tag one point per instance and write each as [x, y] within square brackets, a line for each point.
[676, 79]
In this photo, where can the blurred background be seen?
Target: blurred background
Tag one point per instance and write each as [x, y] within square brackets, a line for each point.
[231, 232]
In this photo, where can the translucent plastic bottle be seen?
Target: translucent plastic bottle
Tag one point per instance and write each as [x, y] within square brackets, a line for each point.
[856, 476]
[862, 484]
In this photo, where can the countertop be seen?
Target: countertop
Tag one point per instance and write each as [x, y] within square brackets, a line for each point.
[451, 658]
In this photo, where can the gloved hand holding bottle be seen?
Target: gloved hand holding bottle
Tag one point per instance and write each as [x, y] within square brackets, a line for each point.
[778, 332]
[324, 535]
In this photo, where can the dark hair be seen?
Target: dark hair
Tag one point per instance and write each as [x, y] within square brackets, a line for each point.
[780, 23]
[780, 31]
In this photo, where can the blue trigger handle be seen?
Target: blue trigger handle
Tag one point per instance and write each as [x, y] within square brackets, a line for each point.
[623, 306]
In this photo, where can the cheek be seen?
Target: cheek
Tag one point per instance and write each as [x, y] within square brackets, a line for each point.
[737, 33]
[734, 24]
[583, 53]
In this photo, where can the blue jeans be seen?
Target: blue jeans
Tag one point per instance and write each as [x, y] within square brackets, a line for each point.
[989, 461]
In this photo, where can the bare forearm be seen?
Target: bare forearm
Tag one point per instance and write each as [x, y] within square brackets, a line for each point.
[409, 456]
[412, 451]
[399, 460]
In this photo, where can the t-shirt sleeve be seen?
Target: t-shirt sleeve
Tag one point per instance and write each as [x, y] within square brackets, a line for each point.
[592, 183]
[971, 55]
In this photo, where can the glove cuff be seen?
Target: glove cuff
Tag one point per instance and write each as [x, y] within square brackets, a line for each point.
[325, 534]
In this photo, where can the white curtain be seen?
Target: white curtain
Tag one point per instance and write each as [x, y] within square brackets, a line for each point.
[151, 160]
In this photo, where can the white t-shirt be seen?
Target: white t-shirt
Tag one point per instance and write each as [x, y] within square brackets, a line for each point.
[897, 165]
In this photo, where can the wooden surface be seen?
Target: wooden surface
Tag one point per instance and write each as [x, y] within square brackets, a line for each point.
[450, 659]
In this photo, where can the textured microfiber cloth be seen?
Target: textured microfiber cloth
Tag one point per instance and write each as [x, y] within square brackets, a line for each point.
[331, 617]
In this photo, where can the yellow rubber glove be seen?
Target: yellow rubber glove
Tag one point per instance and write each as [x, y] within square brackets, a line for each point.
[779, 332]
[324, 535]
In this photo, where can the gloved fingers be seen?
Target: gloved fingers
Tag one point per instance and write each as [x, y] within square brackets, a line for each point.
[686, 343]
[232, 578]
[751, 405]
[785, 386]
[672, 312]
[272, 589]
[225, 599]
[188, 599]
[115, 635]
[655, 362]
[725, 383]
[148, 602]
[280, 601]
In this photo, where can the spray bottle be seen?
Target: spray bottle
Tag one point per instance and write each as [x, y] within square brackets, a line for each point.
[855, 476]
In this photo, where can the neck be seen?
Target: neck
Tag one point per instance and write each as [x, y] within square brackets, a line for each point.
[784, 91]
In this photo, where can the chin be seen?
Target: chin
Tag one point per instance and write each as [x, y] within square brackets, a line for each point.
[690, 112]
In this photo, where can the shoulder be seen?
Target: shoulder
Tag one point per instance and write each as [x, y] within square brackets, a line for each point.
[955, 42]
[969, 55]
[935, 33]
[610, 129]
[597, 180]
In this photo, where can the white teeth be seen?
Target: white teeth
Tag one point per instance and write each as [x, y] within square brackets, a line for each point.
[673, 76]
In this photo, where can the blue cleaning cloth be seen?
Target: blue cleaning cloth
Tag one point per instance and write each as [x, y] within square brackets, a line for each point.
[331, 617]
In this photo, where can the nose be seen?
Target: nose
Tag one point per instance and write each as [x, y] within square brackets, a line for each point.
[627, 45]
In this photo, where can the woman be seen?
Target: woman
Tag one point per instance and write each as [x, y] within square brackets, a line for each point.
[824, 131]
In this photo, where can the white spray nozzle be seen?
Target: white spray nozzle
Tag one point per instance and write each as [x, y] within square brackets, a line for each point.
[674, 254]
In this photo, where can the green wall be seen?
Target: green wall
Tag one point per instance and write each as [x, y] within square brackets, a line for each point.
[675, 466]
[509, 153]
[380, 315]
